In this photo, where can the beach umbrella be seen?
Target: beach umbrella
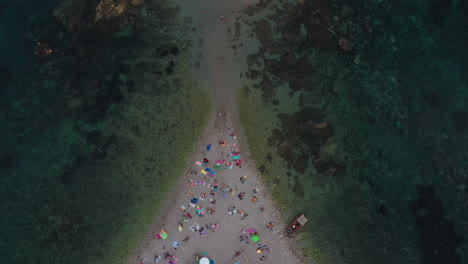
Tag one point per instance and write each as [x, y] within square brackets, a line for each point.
[217, 167]
[164, 235]
[204, 260]
[255, 238]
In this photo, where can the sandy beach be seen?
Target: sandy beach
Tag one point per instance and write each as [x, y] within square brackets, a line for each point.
[221, 233]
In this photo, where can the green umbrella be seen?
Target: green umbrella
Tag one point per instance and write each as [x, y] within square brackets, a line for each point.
[255, 238]
[164, 235]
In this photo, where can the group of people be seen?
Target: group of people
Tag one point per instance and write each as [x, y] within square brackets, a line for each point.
[204, 190]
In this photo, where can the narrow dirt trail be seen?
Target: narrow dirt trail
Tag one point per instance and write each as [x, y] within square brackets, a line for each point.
[220, 67]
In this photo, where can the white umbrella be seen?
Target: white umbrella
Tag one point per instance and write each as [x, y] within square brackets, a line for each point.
[204, 261]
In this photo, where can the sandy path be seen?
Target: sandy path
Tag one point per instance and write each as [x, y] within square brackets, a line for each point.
[223, 79]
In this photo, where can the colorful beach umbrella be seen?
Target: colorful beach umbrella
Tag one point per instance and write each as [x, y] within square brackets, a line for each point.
[204, 260]
[255, 238]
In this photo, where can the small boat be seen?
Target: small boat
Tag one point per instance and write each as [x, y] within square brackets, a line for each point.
[296, 224]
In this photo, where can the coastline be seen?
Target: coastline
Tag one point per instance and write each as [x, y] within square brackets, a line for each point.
[224, 79]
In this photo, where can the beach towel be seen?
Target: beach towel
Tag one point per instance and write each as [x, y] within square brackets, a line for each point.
[237, 157]
[198, 163]
[203, 172]
[208, 147]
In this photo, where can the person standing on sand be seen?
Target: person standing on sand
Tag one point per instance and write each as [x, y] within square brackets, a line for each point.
[175, 245]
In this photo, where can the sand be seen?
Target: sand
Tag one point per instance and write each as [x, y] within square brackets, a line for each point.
[220, 68]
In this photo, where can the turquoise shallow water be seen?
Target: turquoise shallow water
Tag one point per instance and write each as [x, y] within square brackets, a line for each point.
[363, 119]
[93, 134]
[366, 125]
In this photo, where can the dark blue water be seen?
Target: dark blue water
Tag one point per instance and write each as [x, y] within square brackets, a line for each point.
[85, 120]
[377, 154]
[77, 157]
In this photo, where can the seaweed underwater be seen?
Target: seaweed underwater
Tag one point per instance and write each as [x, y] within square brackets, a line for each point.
[89, 106]
[372, 130]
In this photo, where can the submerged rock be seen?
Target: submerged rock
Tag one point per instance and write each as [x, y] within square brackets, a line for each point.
[298, 190]
[311, 114]
[292, 33]
[287, 153]
[251, 59]
[276, 138]
[329, 167]
[301, 164]
[264, 33]
[294, 71]
[317, 133]
[318, 17]
[262, 169]
[267, 88]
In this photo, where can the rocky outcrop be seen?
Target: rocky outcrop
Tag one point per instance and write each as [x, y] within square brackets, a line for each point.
[298, 190]
[264, 34]
[318, 17]
[301, 163]
[292, 33]
[276, 138]
[291, 70]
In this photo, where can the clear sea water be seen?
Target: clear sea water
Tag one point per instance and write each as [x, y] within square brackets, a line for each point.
[87, 132]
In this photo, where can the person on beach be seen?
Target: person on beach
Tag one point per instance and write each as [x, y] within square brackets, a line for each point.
[270, 226]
